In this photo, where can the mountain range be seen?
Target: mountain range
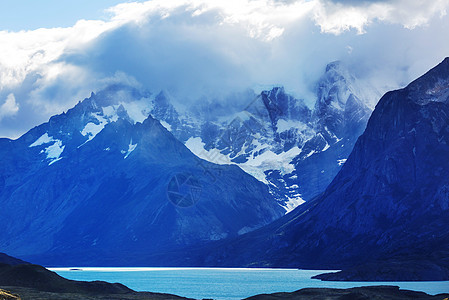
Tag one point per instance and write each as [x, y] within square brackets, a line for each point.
[112, 175]
[131, 178]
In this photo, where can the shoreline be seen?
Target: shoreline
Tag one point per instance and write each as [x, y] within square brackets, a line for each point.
[278, 280]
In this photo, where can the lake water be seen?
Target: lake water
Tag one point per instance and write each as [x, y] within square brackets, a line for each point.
[226, 284]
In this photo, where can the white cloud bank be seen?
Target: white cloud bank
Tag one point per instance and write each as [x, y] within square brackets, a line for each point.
[203, 47]
[338, 16]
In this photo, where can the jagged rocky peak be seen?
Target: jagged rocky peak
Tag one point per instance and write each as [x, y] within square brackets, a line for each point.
[67, 132]
[433, 87]
[115, 102]
[339, 97]
[334, 88]
[116, 93]
[162, 98]
[111, 95]
[163, 110]
[281, 105]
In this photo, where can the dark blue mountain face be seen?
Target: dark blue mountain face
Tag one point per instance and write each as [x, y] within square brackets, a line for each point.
[386, 214]
[94, 186]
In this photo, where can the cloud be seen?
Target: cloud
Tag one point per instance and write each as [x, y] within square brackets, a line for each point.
[9, 107]
[196, 48]
[337, 16]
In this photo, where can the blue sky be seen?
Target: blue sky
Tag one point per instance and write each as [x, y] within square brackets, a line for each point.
[55, 53]
[18, 15]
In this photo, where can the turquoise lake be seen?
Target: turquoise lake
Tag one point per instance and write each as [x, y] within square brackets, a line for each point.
[223, 283]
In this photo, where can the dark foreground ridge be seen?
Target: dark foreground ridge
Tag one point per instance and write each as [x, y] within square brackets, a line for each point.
[9, 260]
[359, 293]
[36, 282]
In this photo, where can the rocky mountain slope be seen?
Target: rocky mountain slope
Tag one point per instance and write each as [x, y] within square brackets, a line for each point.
[386, 214]
[106, 181]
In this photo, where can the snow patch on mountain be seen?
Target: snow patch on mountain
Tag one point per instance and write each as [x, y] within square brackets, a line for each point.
[256, 165]
[54, 151]
[135, 111]
[93, 128]
[166, 125]
[131, 148]
[196, 145]
[268, 160]
[284, 125]
[293, 203]
[341, 161]
[139, 110]
[44, 139]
